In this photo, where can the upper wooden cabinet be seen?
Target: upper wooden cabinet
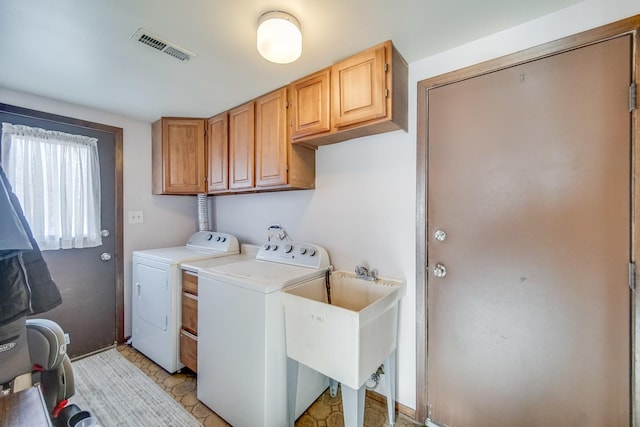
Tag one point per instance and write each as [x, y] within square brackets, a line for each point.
[278, 163]
[309, 105]
[367, 95]
[178, 156]
[241, 147]
[359, 88]
[271, 139]
[269, 143]
[218, 153]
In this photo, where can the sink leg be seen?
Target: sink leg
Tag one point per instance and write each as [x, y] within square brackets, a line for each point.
[292, 390]
[390, 382]
[333, 387]
[353, 406]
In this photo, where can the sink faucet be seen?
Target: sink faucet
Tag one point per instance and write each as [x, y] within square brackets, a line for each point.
[363, 272]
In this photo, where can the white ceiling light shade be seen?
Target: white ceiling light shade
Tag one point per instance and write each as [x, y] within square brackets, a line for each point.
[279, 37]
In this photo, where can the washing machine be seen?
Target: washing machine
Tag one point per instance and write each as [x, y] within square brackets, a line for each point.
[242, 358]
[156, 294]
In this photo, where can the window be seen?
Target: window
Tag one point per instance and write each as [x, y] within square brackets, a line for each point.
[56, 177]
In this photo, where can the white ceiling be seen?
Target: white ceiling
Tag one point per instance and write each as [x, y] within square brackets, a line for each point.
[79, 51]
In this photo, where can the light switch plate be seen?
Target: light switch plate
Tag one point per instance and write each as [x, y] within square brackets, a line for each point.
[135, 217]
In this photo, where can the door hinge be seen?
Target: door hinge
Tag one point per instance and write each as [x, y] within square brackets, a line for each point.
[386, 93]
[632, 276]
[633, 94]
[386, 67]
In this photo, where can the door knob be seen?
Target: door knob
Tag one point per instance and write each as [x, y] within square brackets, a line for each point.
[439, 270]
[105, 256]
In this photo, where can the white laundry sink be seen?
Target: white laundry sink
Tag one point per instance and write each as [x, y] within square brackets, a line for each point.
[349, 339]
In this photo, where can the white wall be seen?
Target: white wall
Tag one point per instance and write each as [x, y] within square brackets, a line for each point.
[158, 211]
[363, 207]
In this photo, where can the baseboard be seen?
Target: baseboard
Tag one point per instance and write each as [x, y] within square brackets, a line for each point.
[400, 408]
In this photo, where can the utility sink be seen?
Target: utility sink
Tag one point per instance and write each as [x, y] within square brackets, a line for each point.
[350, 338]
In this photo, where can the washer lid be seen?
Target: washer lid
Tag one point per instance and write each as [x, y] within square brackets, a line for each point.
[179, 254]
[261, 276]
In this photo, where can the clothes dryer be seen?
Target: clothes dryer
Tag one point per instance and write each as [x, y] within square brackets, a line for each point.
[156, 291]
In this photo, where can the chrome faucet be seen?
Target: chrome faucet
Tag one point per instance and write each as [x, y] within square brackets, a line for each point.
[363, 272]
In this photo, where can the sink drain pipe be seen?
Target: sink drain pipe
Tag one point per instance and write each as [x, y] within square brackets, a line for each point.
[375, 377]
[327, 284]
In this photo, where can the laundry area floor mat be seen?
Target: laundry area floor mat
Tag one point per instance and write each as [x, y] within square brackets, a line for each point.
[119, 394]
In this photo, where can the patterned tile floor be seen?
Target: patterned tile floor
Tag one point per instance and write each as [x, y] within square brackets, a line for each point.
[325, 412]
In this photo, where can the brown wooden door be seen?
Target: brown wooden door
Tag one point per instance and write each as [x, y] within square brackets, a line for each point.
[529, 177]
[183, 150]
[271, 139]
[218, 153]
[241, 147]
[359, 87]
[310, 108]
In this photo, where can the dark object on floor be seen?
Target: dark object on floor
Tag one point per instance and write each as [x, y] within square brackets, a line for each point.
[70, 416]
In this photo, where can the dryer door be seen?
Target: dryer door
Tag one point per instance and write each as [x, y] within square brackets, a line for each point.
[152, 293]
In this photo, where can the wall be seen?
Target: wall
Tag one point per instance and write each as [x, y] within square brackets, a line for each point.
[158, 211]
[363, 207]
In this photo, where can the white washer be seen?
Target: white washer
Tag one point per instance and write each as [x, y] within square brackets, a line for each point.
[156, 302]
[242, 358]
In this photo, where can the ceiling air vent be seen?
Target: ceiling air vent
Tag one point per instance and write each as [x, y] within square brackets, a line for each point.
[150, 39]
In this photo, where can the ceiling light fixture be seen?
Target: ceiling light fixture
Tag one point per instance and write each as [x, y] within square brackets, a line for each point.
[279, 37]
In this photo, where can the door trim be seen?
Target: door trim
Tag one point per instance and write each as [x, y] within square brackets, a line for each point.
[626, 26]
[119, 240]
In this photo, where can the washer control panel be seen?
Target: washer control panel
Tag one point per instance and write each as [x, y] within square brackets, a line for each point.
[294, 253]
[213, 240]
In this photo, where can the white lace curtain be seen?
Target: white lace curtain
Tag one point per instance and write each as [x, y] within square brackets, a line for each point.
[56, 177]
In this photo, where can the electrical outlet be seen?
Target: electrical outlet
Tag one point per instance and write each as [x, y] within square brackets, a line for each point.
[135, 217]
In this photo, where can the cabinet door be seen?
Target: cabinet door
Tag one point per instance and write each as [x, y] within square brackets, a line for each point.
[310, 108]
[183, 156]
[218, 153]
[359, 88]
[190, 312]
[271, 139]
[241, 147]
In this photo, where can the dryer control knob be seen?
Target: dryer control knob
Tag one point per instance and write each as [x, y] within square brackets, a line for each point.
[302, 251]
[312, 252]
[288, 248]
[274, 247]
[267, 246]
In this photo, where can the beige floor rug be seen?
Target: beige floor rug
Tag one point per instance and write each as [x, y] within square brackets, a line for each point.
[119, 394]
